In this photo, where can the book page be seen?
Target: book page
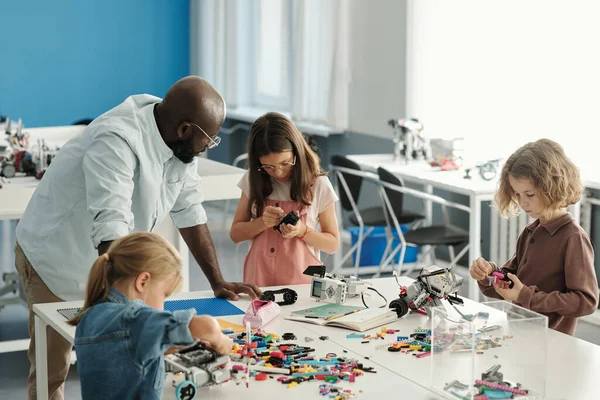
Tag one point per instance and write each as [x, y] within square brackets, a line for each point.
[365, 319]
[327, 311]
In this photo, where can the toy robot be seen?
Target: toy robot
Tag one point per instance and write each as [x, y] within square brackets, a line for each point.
[409, 140]
[202, 367]
[432, 284]
[333, 288]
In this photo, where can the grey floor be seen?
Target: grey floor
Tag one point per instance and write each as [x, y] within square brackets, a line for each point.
[13, 319]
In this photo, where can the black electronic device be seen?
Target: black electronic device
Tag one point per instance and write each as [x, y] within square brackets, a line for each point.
[290, 218]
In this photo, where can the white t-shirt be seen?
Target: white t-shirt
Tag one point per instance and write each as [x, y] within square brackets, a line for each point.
[323, 196]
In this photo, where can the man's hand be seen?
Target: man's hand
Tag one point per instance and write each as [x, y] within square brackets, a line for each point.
[290, 231]
[480, 269]
[271, 216]
[503, 290]
[230, 290]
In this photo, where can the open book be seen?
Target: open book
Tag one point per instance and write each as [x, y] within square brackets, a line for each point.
[360, 319]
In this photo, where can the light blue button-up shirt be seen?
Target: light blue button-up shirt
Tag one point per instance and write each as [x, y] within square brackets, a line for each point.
[116, 178]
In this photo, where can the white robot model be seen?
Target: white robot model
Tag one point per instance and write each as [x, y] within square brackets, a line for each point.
[432, 284]
[201, 366]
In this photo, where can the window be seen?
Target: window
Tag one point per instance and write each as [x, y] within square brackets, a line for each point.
[272, 67]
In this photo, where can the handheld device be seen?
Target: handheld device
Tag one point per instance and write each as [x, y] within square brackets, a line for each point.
[290, 218]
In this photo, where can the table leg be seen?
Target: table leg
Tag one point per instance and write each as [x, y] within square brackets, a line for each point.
[428, 206]
[474, 242]
[428, 211]
[185, 261]
[41, 359]
[577, 211]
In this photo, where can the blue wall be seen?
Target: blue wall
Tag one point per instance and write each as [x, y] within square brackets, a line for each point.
[64, 60]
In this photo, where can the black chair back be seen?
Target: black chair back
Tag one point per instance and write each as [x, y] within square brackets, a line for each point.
[396, 198]
[354, 182]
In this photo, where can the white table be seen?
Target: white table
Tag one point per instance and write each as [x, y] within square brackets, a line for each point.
[476, 189]
[219, 182]
[374, 385]
[573, 364]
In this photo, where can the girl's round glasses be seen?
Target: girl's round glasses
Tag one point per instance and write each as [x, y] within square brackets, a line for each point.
[284, 166]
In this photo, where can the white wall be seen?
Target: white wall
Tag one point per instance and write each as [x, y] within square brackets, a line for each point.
[378, 47]
[501, 73]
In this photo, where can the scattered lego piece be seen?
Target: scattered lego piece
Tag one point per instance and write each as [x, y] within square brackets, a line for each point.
[355, 336]
[260, 377]
[501, 387]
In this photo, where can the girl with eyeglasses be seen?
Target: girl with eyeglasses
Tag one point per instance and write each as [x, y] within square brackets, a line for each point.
[284, 175]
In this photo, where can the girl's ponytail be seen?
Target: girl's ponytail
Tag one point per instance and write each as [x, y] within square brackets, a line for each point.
[98, 286]
[126, 258]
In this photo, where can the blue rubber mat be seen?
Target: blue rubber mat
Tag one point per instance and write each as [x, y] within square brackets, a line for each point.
[210, 306]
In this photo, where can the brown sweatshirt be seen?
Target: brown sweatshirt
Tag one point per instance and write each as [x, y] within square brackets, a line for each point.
[555, 262]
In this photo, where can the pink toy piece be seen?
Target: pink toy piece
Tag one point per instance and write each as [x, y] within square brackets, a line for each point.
[501, 387]
[260, 313]
[503, 277]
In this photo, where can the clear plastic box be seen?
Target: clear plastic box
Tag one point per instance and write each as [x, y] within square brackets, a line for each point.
[496, 342]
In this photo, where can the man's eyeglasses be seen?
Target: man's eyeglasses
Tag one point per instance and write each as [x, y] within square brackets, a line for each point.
[284, 166]
[214, 141]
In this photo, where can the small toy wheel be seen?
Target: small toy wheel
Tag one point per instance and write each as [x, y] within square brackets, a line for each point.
[8, 171]
[268, 296]
[290, 297]
[400, 306]
[186, 390]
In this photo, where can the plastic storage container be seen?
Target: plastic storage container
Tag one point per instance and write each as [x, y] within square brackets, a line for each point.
[374, 245]
[493, 349]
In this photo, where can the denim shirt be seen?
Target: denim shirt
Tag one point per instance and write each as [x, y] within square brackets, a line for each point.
[120, 344]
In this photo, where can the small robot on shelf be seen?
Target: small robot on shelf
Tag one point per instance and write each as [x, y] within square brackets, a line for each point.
[17, 156]
[409, 140]
[433, 284]
[201, 367]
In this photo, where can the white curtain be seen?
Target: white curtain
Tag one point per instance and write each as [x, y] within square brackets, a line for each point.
[219, 46]
[322, 62]
[502, 73]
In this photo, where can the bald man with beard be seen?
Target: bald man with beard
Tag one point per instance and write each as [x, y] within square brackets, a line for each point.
[129, 168]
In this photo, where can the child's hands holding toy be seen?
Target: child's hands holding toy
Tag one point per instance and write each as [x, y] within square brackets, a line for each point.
[290, 231]
[480, 269]
[503, 287]
[271, 216]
